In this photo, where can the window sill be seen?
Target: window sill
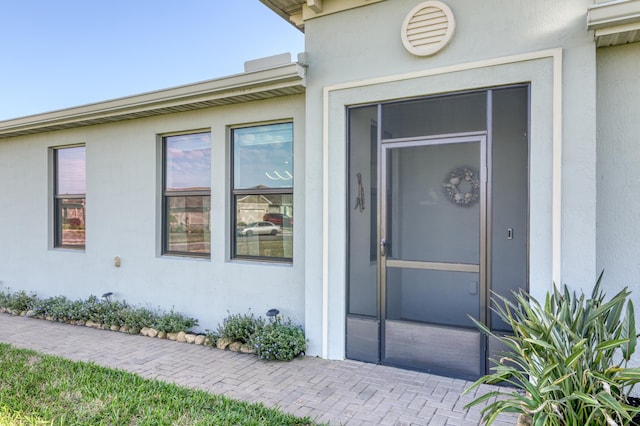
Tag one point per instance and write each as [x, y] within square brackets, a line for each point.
[260, 261]
[69, 249]
[181, 256]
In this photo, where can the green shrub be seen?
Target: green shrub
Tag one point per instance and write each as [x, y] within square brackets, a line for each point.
[19, 301]
[279, 339]
[567, 361]
[78, 311]
[101, 311]
[114, 313]
[95, 309]
[136, 318]
[238, 327]
[4, 298]
[173, 322]
[57, 308]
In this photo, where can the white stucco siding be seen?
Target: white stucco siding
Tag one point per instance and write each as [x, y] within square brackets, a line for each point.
[123, 165]
[618, 173]
[362, 45]
[365, 42]
[578, 168]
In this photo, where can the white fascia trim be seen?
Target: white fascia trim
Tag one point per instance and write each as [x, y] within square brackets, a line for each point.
[554, 54]
[311, 10]
[614, 23]
[239, 84]
[613, 14]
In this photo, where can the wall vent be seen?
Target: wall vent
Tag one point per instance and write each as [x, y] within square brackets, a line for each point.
[427, 28]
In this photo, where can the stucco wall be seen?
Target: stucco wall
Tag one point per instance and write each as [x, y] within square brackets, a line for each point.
[365, 43]
[618, 168]
[123, 164]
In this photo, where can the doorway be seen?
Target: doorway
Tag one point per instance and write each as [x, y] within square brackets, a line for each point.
[437, 220]
[430, 252]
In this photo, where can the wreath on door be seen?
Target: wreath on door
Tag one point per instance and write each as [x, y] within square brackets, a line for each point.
[462, 186]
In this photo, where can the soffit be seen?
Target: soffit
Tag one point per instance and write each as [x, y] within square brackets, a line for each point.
[296, 12]
[289, 10]
[615, 22]
[278, 81]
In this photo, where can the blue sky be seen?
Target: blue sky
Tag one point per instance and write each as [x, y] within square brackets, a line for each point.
[65, 53]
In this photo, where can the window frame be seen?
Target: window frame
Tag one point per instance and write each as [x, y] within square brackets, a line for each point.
[166, 195]
[236, 193]
[58, 197]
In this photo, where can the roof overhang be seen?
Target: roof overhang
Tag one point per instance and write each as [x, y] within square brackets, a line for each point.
[278, 81]
[289, 10]
[615, 22]
[296, 12]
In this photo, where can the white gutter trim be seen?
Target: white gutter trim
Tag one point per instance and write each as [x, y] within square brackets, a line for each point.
[615, 22]
[235, 85]
[614, 13]
[554, 54]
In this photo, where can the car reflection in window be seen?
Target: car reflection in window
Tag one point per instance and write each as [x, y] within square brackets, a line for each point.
[278, 219]
[259, 228]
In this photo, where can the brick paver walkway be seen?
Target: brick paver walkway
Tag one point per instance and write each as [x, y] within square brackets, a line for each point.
[337, 392]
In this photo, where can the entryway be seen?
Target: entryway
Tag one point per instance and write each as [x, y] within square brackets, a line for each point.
[438, 198]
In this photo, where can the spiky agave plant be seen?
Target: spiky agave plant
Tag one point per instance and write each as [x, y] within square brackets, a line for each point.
[567, 359]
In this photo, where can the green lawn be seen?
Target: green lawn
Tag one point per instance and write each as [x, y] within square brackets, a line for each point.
[264, 245]
[38, 389]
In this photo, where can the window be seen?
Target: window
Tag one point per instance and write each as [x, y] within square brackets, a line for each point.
[263, 192]
[187, 194]
[69, 197]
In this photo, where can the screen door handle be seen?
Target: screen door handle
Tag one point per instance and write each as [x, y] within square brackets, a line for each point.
[383, 247]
